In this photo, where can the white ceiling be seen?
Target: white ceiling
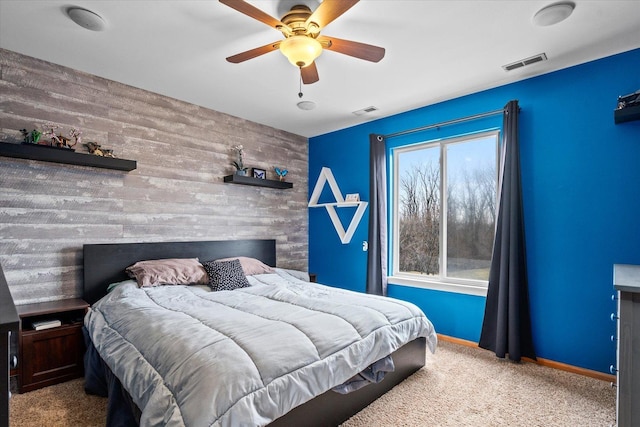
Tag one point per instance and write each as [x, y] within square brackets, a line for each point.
[435, 50]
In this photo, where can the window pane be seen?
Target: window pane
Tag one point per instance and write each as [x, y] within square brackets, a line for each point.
[471, 198]
[419, 211]
[444, 209]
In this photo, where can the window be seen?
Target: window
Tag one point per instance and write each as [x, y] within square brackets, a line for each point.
[444, 211]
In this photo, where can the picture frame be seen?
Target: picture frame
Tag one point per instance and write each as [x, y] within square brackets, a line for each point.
[259, 173]
[354, 197]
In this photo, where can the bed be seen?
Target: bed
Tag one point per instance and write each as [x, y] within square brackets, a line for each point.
[280, 399]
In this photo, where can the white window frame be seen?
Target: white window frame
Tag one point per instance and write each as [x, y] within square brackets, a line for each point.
[440, 282]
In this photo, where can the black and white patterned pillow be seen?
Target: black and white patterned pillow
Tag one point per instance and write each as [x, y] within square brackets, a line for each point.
[225, 275]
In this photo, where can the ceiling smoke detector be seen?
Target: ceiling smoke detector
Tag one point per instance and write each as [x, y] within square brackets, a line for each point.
[86, 18]
[306, 105]
[553, 14]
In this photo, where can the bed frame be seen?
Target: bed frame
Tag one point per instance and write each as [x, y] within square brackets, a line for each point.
[105, 264]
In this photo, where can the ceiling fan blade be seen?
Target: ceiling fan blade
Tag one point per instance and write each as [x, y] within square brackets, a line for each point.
[252, 11]
[252, 53]
[330, 10]
[358, 50]
[309, 74]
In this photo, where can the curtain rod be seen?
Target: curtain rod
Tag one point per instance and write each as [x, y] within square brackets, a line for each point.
[449, 122]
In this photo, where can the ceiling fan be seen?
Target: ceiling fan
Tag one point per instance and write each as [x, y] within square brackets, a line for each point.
[302, 42]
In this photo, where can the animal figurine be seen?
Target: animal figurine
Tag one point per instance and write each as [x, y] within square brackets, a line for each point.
[94, 148]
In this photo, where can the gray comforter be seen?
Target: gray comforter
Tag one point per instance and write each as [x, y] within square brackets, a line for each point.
[189, 356]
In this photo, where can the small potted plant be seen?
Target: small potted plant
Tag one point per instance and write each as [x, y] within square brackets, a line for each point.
[241, 169]
[31, 137]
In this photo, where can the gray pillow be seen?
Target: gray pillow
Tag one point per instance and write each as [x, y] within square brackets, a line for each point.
[226, 275]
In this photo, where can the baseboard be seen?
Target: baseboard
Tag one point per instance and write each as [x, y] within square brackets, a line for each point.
[455, 340]
[542, 362]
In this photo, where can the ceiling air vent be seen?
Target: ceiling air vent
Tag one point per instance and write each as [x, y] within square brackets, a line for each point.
[524, 62]
[365, 110]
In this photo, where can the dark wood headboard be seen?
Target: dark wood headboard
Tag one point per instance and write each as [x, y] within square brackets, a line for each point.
[105, 263]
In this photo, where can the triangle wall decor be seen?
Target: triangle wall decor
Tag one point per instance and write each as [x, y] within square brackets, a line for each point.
[326, 176]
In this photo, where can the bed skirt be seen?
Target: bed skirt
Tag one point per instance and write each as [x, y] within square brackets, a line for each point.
[100, 381]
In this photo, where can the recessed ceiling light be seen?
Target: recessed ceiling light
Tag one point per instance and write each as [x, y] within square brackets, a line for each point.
[86, 18]
[306, 105]
[554, 13]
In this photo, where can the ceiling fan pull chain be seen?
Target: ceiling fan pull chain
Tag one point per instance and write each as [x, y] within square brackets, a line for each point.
[300, 94]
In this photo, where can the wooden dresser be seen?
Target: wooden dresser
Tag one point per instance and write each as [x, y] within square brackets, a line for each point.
[626, 280]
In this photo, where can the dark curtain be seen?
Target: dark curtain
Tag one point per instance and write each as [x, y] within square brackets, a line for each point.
[377, 253]
[506, 328]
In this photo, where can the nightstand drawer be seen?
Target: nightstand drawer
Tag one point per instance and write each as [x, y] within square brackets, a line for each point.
[51, 356]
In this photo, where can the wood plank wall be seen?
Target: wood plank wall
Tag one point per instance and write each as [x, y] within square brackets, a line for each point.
[48, 211]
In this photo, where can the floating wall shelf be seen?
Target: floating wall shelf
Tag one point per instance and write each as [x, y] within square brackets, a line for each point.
[326, 176]
[257, 182]
[60, 155]
[627, 114]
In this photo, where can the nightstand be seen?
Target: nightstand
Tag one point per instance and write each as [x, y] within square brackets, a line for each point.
[53, 355]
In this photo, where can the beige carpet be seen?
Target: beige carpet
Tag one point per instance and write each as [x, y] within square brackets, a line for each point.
[462, 386]
[61, 405]
[459, 386]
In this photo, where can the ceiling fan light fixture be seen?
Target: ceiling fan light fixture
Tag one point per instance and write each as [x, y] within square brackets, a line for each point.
[301, 50]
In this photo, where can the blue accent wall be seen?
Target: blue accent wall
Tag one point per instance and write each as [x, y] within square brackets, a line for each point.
[581, 194]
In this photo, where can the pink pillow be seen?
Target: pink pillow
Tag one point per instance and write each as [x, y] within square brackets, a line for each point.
[170, 271]
[250, 266]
